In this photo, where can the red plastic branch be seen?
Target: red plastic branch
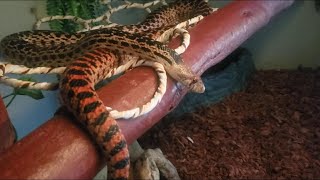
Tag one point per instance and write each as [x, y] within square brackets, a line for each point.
[59, 149]
[7, 134]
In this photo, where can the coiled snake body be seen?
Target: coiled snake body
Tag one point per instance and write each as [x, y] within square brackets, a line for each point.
[89, 56]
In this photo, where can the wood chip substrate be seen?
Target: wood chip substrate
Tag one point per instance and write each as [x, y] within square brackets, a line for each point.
[269, 130]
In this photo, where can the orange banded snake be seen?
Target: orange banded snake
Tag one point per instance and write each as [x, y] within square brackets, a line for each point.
[20, 69]
[135, 112]
[93, 65]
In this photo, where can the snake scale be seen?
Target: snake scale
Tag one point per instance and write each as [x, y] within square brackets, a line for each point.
[89, 56]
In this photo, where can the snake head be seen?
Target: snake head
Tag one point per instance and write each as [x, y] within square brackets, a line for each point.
[184, 75]
[195, 84]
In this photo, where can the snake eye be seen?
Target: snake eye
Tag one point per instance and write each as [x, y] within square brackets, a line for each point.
[192, 83]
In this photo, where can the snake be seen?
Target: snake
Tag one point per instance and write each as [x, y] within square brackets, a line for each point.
[89, 56]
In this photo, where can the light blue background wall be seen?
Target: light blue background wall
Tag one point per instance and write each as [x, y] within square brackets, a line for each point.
[291, 39]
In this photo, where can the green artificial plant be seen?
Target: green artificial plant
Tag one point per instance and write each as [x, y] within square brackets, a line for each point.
[85, 9]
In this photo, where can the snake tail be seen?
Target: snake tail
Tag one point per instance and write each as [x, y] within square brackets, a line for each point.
[78, 95]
